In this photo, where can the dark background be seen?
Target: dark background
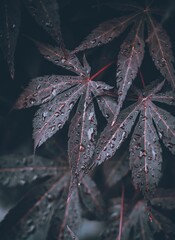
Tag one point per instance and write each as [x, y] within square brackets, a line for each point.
[78, 19]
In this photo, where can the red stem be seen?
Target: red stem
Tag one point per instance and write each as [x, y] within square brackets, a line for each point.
[101, 70]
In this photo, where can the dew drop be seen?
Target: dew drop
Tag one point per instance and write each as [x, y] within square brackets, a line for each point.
[93, 41]
[63, 60]
[54, 92]
[44, 115]
[118, 73]
[83, 167]
[38, 87]
[90, 134]
[53, 128]
[22, 182]
[91, 117]
[34, 177]
[57, 114]
[31, 229]
[107, 116]
[35, 94]
[71, 105]
[32, 100]
[82, 148]
[146, 170]
[112, 145]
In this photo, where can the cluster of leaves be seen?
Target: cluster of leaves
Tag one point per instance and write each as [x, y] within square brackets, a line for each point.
[145, 124]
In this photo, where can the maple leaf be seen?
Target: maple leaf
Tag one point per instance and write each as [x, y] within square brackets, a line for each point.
[46, 210]
[44, 12]
[132, 50]
[160, 49]
[143, 222]
[58, 95]
[145, 150]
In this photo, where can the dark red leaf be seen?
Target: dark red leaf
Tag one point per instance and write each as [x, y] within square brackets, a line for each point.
[44, 89]
[17, 170]
[105, 33]
[165, 124]
[113, 136]
[61, 57]
[145, 153]
[129, 60]
[160, 49]
[52, 115]
[82, 131]
[145, 150]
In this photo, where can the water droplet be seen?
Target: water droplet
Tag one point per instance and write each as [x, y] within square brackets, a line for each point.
[38, 87]
[44, 115]
[142, 154]
[93, 41]
[107, 116]
[63, 60]
[57, 114]
[53, 128]
[146, 170]
[105, 148]
[90, 134]
[99, 43]
[82, 148]
[59, 125]
[50, 197]
[112, 145]
[34, 177]
[83, 167]
[35, 94]
[49, 24]
[54, 92]
[118, 72]
[22, 182]
[32, 100]
[45, 99]
[31, 229]
[91, 117]
[71, 105]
